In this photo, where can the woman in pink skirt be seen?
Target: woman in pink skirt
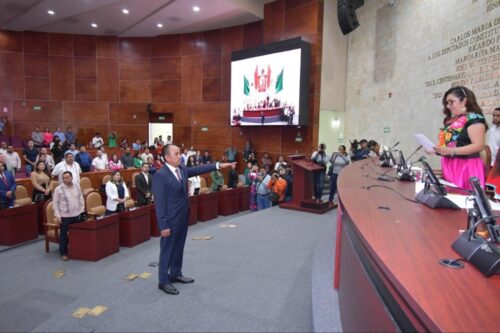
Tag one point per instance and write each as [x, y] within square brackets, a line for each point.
[462, 137]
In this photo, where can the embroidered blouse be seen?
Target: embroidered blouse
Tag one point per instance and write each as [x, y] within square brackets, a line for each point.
[454, 134]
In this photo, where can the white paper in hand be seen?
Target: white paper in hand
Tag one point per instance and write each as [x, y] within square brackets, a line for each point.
[424, 142]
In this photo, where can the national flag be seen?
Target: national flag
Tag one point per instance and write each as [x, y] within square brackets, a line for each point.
[279, 82]
[246, 86]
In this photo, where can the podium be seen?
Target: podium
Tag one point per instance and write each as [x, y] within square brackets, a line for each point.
[303, 170]
[193, 209]
[18, 224]
[244, 198]
[208, 206]
[229, 202]
[135, 226]
[155, 230]
[94, 239]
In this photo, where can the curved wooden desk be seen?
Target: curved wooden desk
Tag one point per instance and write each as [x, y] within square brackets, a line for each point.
[387, 269]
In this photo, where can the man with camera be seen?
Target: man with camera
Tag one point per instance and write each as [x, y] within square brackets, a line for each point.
[262, 189]
[277, 185]
[68, 207]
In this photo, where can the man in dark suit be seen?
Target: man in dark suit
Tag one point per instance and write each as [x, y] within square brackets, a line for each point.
[143, 183]
[172, 211]
[7, 186]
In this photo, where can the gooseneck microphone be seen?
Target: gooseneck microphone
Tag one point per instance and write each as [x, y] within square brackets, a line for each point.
[414, 152]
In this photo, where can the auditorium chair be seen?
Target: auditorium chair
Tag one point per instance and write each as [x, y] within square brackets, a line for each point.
[93, 205]
[133, 178]
[203, 186]
[105, 179]
[86, 185]
[22, 196]
[50, 225]
[129, 203]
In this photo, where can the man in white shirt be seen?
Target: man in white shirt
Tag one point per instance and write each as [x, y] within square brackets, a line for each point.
[99, 162]
[191, 152]
[68, 164]
[493, 135]
[13, 160]
[146, 155]
[97, 141]
[104, 154]
[280, 164]
[68, 205]
[3, 148]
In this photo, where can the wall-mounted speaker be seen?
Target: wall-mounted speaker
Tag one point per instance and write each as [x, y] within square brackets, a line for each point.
[346, 14]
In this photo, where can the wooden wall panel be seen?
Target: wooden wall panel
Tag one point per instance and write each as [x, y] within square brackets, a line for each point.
[252, 35]
[212, 90]
[51, 112]
[86, 90]
[36, 88]
[217, 137]
[212, 41]
[85, 68]
[302, 19]
[124, 113]
[85, 113]
[138, 131]
[36, 42]
[212, 65]
[106, 47]
[135, 91]
[84, 133]
[137, 47]
[182, 135]
[28, 128]
[11, 75]
[11, 41]
[167, 46]
[62, 78]
[135, 69]
[226, 76]
[274, 21]
[166, 91]
[181, 112]
[84, 46]
[232, 39]
[191, 79]
[210, 114]
[108, 86]
[166, 68]
[192, 44]
[61, 44]
[36, 65]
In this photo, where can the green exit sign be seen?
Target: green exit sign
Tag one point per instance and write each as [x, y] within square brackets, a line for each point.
[37, 108]
[204, 129]
[161, 117]
[387, 129]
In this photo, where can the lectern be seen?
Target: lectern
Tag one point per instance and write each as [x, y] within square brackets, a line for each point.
[302, 187]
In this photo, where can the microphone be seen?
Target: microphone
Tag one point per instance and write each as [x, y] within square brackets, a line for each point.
[397, 143]
[414, 152]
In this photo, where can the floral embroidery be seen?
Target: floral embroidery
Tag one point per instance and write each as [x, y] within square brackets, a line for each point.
[449, 134]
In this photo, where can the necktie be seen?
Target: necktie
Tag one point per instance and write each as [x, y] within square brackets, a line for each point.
[178, 175]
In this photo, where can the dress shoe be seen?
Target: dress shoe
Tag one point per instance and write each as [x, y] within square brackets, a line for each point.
[64, 258]
[183, 279]
[168, 288]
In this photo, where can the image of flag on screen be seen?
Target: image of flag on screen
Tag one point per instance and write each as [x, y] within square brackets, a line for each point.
[279, 82]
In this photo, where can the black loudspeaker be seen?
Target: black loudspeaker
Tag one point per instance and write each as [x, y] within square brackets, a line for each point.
[346, 14]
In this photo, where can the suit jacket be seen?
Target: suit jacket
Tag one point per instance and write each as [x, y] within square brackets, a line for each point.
[112, 194]
[171, 196]
[10, 186]
[142, 186]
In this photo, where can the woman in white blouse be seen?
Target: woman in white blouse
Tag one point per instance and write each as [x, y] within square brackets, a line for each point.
[194, 182]
[117, 193]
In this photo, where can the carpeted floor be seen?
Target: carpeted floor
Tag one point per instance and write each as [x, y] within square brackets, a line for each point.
[255, 278]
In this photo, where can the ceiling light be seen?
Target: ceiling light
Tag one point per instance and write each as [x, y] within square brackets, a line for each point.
[159, 25]
[125, 11]
[51, 12]
[196, 8]
[94, 25]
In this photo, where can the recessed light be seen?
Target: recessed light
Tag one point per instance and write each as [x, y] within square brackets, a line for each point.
[159, 25]
[196, 8]
[94, 25]
[51, 12]
[125, 11]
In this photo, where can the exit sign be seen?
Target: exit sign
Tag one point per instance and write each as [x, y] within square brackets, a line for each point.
[204, 129]
[387, 129]
[37, 108]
